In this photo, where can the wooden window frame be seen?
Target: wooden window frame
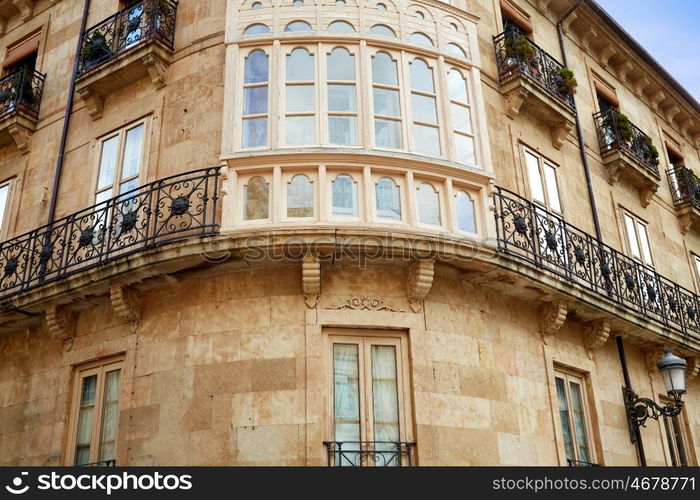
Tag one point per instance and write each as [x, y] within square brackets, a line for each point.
[581, 378]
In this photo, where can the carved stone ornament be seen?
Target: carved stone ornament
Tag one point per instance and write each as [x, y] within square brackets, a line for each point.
[125, 302]
[60, 322]
[596, 334]
[691, 371]
[553, 315]
[365, 302]
[419, 280]
[311, 280]
[651, 357]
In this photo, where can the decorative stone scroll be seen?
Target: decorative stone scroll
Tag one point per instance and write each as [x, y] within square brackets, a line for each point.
[419, 281]
[311, 280]
[596, 334]
[125, 302]
[60, 322]
[552, 317]
[691, 371]
[365, 302]
[651, 357]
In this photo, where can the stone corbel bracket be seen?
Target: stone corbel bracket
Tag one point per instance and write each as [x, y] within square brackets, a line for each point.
[552, 317]
[311, 280]
[21, 136]
[25, 7]
[651, 357]
[94, 102]
[125, 302]
[419, 281]
[596, 335]
[691, 371]
[60, 322]
[157, 69]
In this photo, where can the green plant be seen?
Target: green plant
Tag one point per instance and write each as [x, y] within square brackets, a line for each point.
[519, 46]
[95, 47]
[651, 152]
[566, 83]
[625, 131]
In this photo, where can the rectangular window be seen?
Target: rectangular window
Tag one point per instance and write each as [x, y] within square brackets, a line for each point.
[573, 417]
[675, 439]
[4, 207]
[696, 267]
[369, 418]
[638, 239]
[121, 161]
[95, 413]
[542, 175]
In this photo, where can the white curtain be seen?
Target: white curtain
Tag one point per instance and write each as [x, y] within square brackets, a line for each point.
[385, 403]
[347, 400]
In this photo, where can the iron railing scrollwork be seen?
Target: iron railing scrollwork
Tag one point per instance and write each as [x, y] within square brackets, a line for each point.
[369, 453]
[103, 463]
[685, 187]
[20, 92]
[615, 133]
[174, 208]
[529, 232]
[535, 64]
[143, 22]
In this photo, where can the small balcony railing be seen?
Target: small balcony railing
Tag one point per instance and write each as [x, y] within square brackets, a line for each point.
[580, 463]
[685, 187]
[533, 63]
[143, 22]
[530, 233]
[103, 463]
[175, 208]
[615, 132]
[369, 453]
[20, 92]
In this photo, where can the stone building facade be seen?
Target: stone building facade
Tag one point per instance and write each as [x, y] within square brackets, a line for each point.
[309, 232]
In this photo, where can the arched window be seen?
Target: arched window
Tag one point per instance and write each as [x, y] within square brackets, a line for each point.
[300, 98]
[298, 3]
[461, 118]
[256, 199]
[456, 50]
[428, 205]
[300, 197]
[344, 196]
[381, 7]
[421, 39]
[454, 27]
[419, 15]
[464, 205]
[256, 29]
[256, 6]
[255, 100]
[388, 199]
[341, 27]
[298, 26]
[381, 29]
[426, 133]
[342, 97]
[385, 94]
[340, 3]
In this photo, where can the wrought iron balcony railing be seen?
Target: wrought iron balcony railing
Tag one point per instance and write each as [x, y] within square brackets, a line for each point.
[530, 233]
[20, 92]
[177, 207]
[143, 22]
[103, 463]
[515, 55]
[616, 132]
[580, 463]
[369, 453]
[685, 187]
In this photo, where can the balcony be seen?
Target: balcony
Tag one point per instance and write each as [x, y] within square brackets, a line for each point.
[531, 78]
[20, 99]
[543, 240]
[133, 43]
[685, 189]
[628, 152]
[369, 453]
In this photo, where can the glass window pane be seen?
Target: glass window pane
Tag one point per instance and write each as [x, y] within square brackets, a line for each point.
[254, 132]
[460, 118]
[341, 65]
[256, 199]
[380, 29]
[533, 173]
[301, 98]
[300, 66]
[564, 418]
[424, 108]
[426, 139]
[457, 86]
[428, 205]
[387, 133]
[298, 26]
[632, 237]
[108, 162]
[385, 402]
[344, 196]
[300, 197]
[4, 194]
[342, 98]
[579, 421]
[255, 100]
[384, 69]
[256, 29]
[421, 76]
[464, 147]
[386, 102]
[421, 39]
[256, 67]
[466, 220]
[644, 241]
[132, 152]
[456, 50]
[342, 130]
[88, 393]
[301, 129]
[346, 396]
[341, 27]
[388, 199]
[550, 178]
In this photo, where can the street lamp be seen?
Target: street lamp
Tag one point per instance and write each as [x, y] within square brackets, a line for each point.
[672, 370]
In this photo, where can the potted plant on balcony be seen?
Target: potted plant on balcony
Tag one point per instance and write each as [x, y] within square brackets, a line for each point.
[518, 46]
[649, 151]
[96, 48]
[565, 81]
[618, 127]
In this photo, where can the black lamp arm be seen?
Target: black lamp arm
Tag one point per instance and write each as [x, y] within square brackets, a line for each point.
[641, 409]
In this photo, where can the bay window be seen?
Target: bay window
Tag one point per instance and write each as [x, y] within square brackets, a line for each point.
[386, 99]
[388, 197]
[300, 99]
[256, 199]
[426, 133]
[428, 205]
[255, 99]
[342, 97]
[462, 132]
[344, 196]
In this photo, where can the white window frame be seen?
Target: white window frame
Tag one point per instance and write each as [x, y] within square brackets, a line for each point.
[637, 240]
[7, 209]
[543, 164]
[579, 378]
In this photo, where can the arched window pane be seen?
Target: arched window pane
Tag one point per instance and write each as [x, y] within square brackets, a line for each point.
[341, 65]
[344, 196]
[380, 29]
[340, 3]
[420, 15]
[426, 138]
[455, 49]
[464, 205]
[256, 199]
[384, 69]
[298, 26]
[341, 27]
[256, 29]
[300, 66]
[458, 87]
[454, 27]
[421, 39]
[300, 197]
[255, 100]
[388, 199]
[381, 7]
[256, 5]
[256, 67]
[421, 76]
[300, 98]
[428, 205]
[298, 3]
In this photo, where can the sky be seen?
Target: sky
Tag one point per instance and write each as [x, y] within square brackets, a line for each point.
[667, 29]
